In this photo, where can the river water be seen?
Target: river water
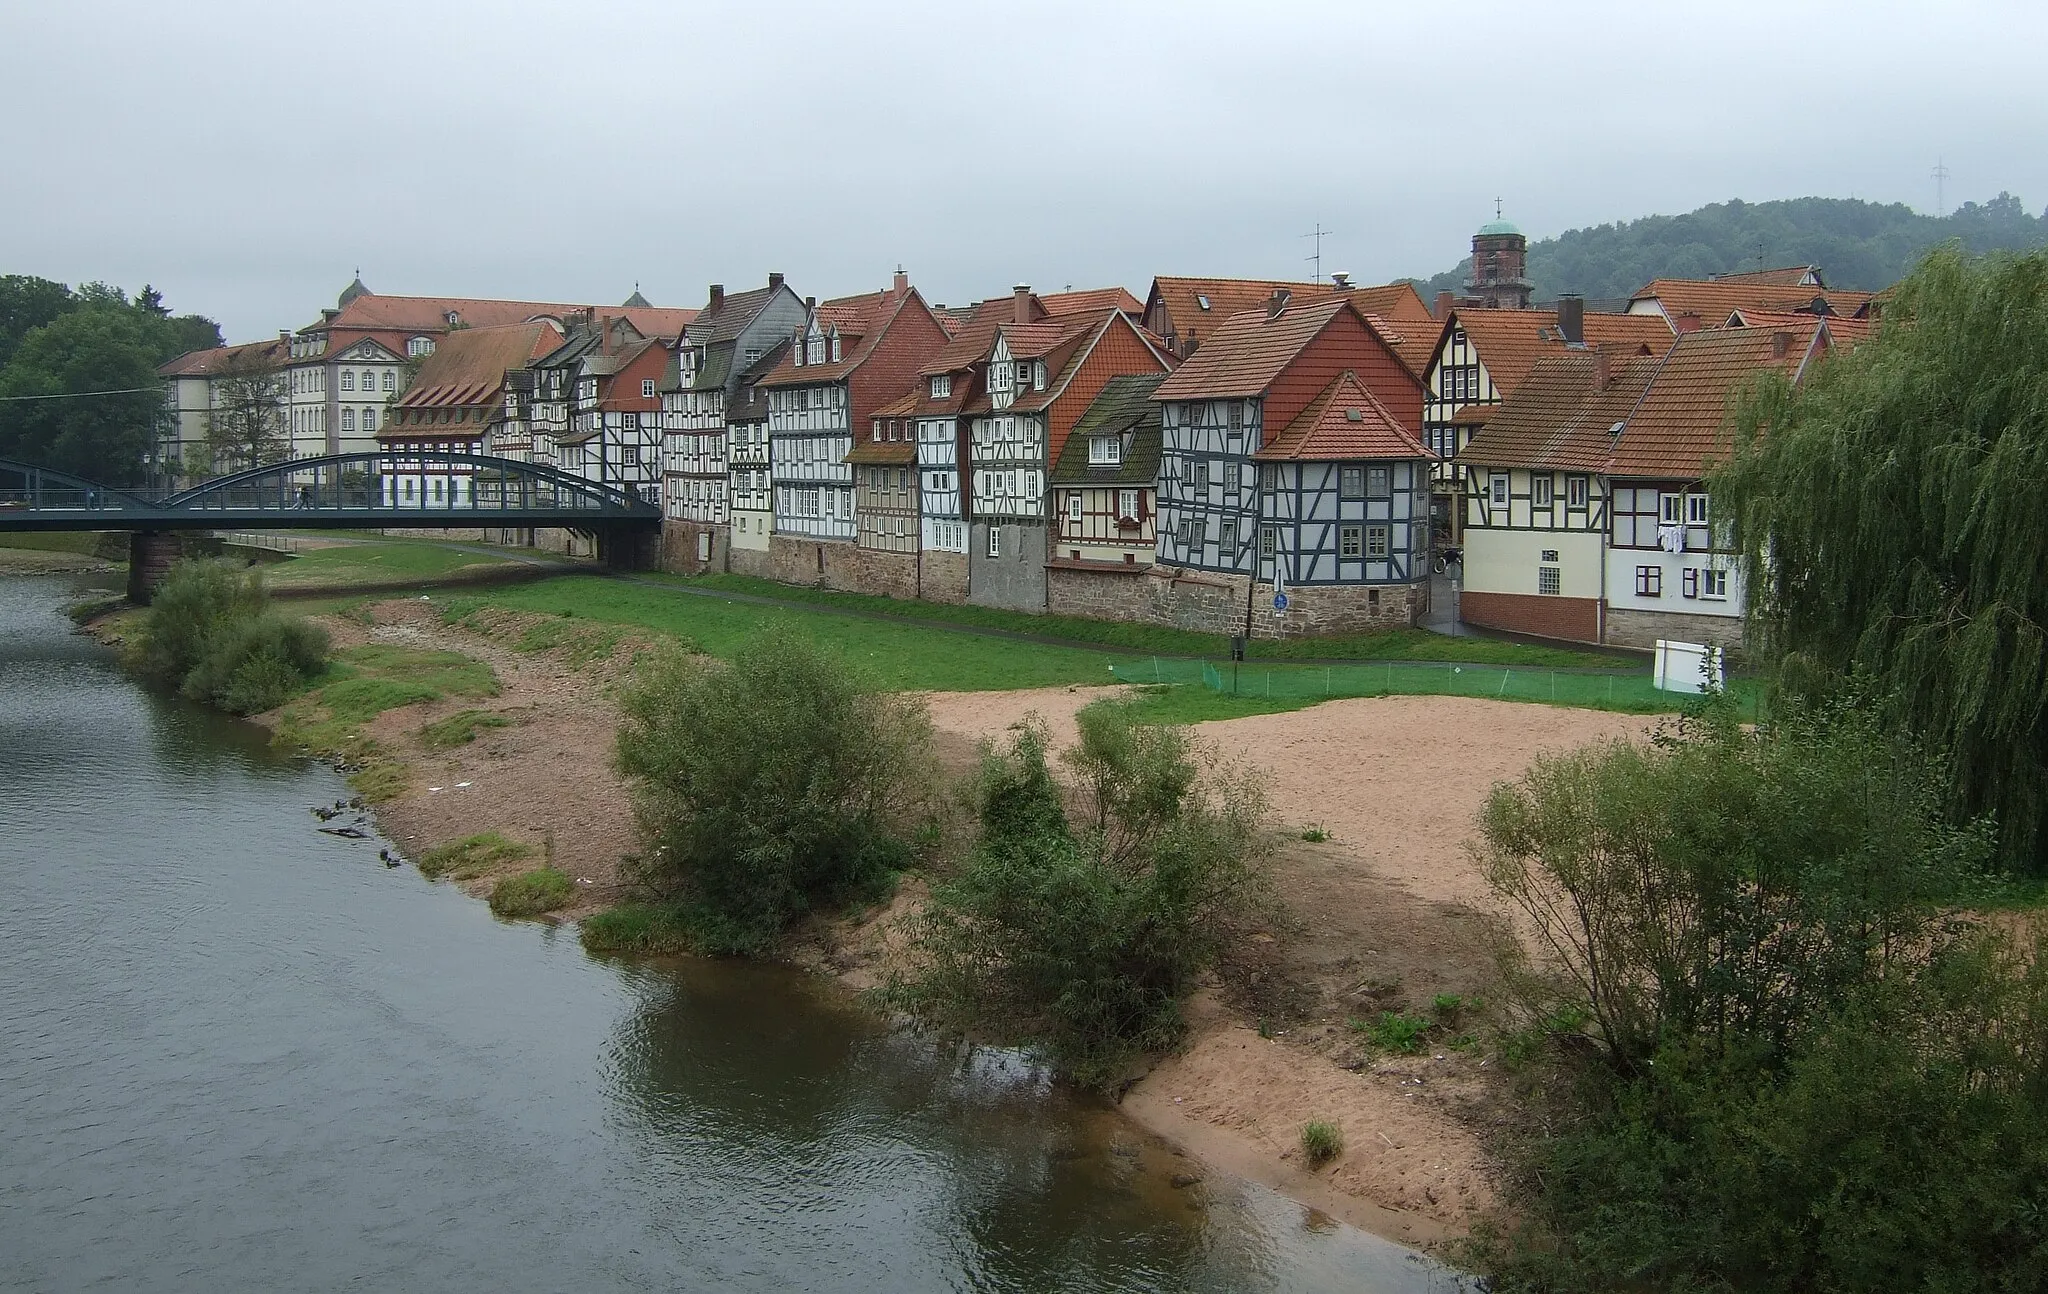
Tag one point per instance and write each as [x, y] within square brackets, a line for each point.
[243, 1055]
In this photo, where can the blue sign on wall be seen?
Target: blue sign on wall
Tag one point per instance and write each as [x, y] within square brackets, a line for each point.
[1279, 601]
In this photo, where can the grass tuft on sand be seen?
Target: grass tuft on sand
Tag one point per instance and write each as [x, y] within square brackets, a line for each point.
[460, 728]
[530, 894]
[473, 856]
[642, 928]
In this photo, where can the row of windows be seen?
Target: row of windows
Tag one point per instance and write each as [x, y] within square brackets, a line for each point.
[1127, 506]
[1233, 414]
[813, 501]
[1542, 490]
[348, 420]
[1458, 382]
[808, 397]
[1694, 582]
[348, 380]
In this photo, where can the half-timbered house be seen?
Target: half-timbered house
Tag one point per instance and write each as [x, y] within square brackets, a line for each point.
[850, 357]
[1104, 499]
[726, 338]
[1038, 379]
[1481, 356]
[752, 489]
[1253, 488]
[1587, 515]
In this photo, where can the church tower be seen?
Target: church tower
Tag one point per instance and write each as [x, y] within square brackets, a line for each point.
[1500, 254]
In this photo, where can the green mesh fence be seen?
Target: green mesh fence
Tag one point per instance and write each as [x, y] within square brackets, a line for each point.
[1411, 678]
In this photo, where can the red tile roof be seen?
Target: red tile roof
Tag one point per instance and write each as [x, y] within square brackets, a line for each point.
[207, 363]
[468, 366]
[1345, 421]
[1783, 276]
[1183, 298]
[1712, 300]
[1091, 300]
[861, 321]
[1663, 417]
[1510, 342]
[1842, 331]
[1249, 350]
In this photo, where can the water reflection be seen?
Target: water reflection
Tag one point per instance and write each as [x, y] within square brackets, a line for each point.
[243, 1055]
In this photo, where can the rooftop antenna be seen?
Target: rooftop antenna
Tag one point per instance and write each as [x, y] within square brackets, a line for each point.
[1319, 234]
[1759, 253]
[1940, 174]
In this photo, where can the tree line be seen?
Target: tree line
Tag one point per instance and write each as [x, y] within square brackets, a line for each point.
[1858, 245]
[58, 345]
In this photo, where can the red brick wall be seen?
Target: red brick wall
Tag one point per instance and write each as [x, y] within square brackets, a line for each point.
[890, 371]
[1568, 619]
[1346, 343]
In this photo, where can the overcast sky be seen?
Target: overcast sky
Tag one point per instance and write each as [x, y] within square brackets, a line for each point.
[247, 158]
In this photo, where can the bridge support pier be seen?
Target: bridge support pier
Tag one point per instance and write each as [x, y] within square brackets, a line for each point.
[628, 548]
[151, 554]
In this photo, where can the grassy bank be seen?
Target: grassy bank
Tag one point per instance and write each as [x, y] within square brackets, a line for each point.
[1398, 644]
[363, 682]
[381, 562]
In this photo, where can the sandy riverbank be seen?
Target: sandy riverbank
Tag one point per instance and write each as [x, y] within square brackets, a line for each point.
[1386, 914]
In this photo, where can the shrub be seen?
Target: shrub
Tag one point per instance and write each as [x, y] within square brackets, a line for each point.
[211, 633]
[257, 663]
[1321, 1142]
[529, 894]
[1396, 1031]
[472, 856]
[1082, 941]
[1813, 1075]
[769, 786]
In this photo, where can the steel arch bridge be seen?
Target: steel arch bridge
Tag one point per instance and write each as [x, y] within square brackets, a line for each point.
[408, 488]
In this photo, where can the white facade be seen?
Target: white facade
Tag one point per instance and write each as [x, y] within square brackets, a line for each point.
[809, 436]
[942, 521]
[752, 491]
[339, 400]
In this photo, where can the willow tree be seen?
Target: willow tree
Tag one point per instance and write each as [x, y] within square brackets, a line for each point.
[1893, 510]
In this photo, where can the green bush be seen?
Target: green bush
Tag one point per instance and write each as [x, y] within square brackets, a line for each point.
[1396, 1031]
[211, 633]
[769, 786]
[1807, 1071]
[530, 894]
[1321, 1142]
[1082, 941]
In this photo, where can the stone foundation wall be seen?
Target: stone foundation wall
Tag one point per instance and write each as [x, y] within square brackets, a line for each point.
[681, 546]
[945, 577]
[458, 534]
[1209, 603]
[1626, 628]
[1540, 616]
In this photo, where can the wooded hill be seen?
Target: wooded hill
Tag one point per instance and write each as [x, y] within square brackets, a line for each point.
[1862, 245]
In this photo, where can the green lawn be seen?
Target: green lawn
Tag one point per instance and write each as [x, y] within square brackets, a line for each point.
[1399, 644]
[384, 561]
[903, 656]
[83, 542]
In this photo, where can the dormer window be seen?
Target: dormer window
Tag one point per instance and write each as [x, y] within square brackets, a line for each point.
[942, 385]
[454, 318]
[1202, 300]
[418, 346]
[835, 347]
[1105, 451]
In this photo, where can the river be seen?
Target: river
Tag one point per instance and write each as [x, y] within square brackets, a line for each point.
[243, 1055]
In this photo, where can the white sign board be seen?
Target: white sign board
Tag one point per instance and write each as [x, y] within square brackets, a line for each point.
[1687, 667]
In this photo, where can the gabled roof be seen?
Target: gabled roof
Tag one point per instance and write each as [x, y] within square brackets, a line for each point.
[1681, 424]
[371, 312]
[1413, 340]
[1061, 303]
[1556, 419]
[1661, 417]
[1781, 277]
[1124, 408]
[665, 322]
[469, 364]
[1510, 342]
[1250, 350]
[214, 360]
[862, 321]
[1204, 303]
[1843, 331]
[972, 339]
[1345, 421]
[1714, 299]
[1063, 344]
[731, 316]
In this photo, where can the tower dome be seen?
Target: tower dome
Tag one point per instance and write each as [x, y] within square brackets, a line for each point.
[1500, 255]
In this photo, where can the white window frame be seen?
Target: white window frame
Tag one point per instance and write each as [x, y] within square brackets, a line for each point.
[1497, 489]
[1105, 451]
[995, 541]
[1696, 510]
[1542, 490]
[1074, 507]
[1578, 491]
[942, 385]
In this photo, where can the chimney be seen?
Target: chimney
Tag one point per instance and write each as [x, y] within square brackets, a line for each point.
[1571, 318]
[1020, 303]
[284, 336]
[1445, 303]
[901, 284]
[774, 279]
[1342, 278]
[1278, 303]
[717, 299]
[1781, 345]
[1686, 323]
[1602, 375]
